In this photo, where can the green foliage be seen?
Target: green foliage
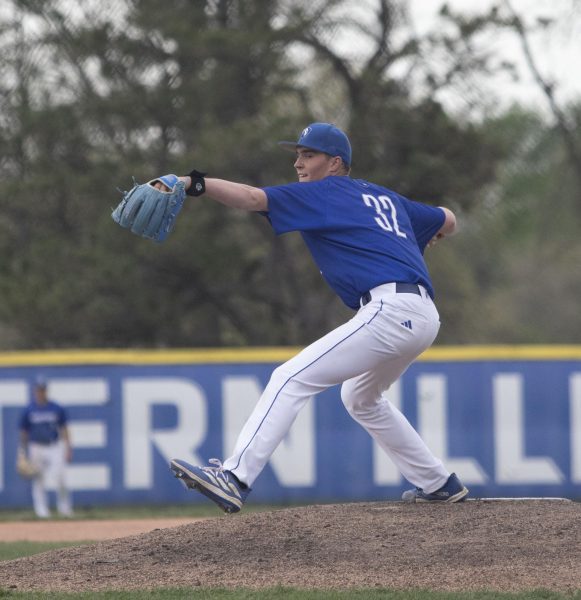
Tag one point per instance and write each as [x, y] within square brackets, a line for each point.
[519, 248]
[12, 550]
[122, 89]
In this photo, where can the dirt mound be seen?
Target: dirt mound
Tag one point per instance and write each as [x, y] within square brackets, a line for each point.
[509, 546]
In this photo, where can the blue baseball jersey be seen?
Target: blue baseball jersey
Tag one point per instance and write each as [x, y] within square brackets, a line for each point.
[43, 422]
[360, 235]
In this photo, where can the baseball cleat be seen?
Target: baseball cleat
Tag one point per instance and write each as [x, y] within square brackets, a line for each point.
[451, 491]
[217, 484]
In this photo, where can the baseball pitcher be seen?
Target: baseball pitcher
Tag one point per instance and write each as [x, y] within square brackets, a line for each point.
[368, 242]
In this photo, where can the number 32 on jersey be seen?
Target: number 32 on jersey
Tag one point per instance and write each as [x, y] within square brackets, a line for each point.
[386, 214]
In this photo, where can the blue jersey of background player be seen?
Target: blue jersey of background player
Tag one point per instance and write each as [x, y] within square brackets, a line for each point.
[43, 421]
[368, 243]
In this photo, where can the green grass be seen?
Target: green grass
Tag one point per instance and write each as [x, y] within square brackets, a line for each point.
[10, 550]
[280, 593]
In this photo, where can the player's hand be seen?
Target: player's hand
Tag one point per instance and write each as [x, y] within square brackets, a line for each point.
[187, 182]
[435, 239]
[194, 183]
[163, 188]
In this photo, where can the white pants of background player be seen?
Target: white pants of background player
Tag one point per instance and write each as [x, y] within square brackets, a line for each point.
[51, 460]
[367, 354]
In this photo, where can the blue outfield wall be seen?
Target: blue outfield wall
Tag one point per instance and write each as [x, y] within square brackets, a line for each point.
[506, 419]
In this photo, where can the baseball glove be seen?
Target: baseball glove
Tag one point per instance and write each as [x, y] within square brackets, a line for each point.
[24, 467]
[149, 212]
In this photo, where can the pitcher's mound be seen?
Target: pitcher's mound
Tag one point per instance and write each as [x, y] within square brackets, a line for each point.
[509, 546]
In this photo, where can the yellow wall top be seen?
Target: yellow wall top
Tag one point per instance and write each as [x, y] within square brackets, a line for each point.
[267, 355]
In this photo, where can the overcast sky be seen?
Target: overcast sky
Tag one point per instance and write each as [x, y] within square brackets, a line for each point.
[557, 50]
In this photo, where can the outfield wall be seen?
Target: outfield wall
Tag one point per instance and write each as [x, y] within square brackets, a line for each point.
[506, 419]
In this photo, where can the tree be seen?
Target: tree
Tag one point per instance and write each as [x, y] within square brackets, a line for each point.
[143, 87]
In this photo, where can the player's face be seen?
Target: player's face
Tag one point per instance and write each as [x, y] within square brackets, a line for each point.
[40, 395]
[312, 165]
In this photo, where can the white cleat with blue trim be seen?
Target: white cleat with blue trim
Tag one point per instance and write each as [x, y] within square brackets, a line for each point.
[217, 484]
[451, 491]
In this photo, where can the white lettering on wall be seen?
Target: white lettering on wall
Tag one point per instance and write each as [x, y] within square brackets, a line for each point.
[139, 396]
[84, 434]
[88, 476]
[293, 462]
[72, 391]
[575, 426]
[512, 464]
[433, 427]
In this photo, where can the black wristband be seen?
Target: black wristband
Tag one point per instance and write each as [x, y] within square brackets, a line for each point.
[198, 186]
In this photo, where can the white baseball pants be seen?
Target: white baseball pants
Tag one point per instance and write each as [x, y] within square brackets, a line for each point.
[50, 458]
[367, 354]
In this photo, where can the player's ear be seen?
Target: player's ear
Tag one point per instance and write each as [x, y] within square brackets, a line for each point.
[336, 164]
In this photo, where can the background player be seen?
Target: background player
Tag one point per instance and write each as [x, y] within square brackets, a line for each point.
[45, 438]
[368, 243]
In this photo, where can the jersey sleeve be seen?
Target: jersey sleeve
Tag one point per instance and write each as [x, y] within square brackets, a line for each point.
[426, 220]
[62, 416]
[297, 206]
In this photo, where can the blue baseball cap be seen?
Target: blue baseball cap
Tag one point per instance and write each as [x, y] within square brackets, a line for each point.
[40, 381]
[323, 137]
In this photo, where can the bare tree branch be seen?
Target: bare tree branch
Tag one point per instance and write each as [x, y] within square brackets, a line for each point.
[548, 89]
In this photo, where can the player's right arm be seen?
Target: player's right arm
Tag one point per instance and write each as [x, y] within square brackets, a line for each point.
[23, 440]
[449, 226]
[447, 229]
[23, 428]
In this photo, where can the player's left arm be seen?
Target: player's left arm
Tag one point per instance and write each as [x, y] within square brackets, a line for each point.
[64, 434]
[229, 193]
[66, 438]
[234, 195]
[237, 195]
